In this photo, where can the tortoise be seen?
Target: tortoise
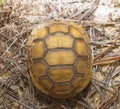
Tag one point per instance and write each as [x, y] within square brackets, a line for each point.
[59, 57]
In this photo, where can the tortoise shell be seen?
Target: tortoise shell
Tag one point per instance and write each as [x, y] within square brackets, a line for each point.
[59, 58]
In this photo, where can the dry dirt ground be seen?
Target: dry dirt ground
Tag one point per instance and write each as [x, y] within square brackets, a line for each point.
[100, 18]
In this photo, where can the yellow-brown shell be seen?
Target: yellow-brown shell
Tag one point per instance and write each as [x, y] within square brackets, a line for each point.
[60, 60]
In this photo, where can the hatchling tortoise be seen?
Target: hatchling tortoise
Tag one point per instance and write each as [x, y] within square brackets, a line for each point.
[59, 58]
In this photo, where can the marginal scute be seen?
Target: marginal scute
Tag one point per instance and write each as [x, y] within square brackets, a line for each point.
[39, 69]
[58, 27]
[62, 88]
[76, 33]
[42, 33]
[46, 83]
[76, 80]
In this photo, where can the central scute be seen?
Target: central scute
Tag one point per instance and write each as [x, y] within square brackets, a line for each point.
[59, 40]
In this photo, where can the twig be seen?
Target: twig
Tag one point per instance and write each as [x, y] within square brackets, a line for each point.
[92, 34]
[93, 23]
[105, 51]
[107, 60]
